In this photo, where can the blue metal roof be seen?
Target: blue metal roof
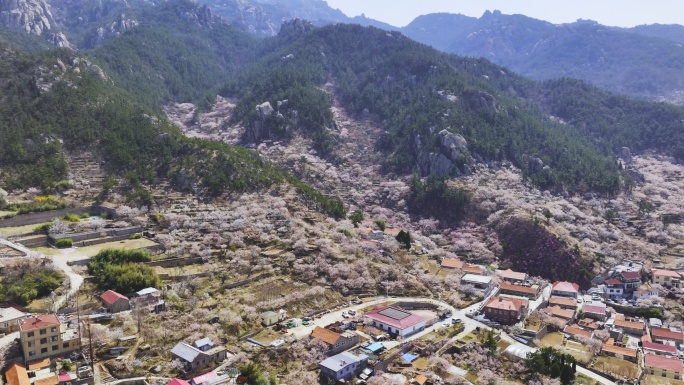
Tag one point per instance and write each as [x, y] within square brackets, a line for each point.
[375, 347]
[408, 357]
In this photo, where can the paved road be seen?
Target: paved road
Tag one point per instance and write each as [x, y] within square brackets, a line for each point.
[61, 262]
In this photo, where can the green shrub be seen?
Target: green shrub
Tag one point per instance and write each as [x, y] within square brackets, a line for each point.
[69, 217]
[64, 243]
[135, 236]
[120, 270]
[347, 233]
[84, 216]
[380, 223]
[43, 228]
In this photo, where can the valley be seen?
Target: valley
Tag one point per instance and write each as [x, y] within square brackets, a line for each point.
[198, 194]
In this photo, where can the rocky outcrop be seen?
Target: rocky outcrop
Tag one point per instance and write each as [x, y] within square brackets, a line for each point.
[112, 30]
[626, 154]
[296, 27]
[454, 146]
[201, 15]
[435, 164]
[31, 16]
[481, 100]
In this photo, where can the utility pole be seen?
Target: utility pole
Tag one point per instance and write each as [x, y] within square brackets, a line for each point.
[90, 343]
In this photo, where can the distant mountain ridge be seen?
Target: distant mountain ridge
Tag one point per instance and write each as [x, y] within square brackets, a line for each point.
[644, 61]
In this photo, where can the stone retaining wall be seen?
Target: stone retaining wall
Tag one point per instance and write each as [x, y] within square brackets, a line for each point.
[47, 216]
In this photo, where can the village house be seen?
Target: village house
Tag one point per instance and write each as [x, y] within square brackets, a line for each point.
[479, 281]
[630, 279]
[630, 325]
[452, 263]
[148, 298]
[566, 315]
[596, 311]
[10, 318]
[115, 302]
[343, 366]
[646, 293]
[44, 336]
[194, 358]
[512, 276]
[575, 331]
[473, 269]
[506, 311]
[659, 349]
[615, 289]
[609, 348]
[663, 335]
[563, 302]
[337, 342]
[588, 324]
[16, 375]
[269, 318]
[531, 292]
[395, 320]
[565, 289]
[663, 367]
[667, 278]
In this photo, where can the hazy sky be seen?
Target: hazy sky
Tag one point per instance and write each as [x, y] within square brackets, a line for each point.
[622, 13]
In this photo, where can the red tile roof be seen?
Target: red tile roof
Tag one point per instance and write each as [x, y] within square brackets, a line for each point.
[518, 288]
[452, 263]
[16, 375]
[514, 275]
[178, 381]
[576, 331]
[325, 335]
[110, 296]
[660, 347]
[667, 334]
[472, 269]
[559, 312]
[630, 274]
[619, 350]
[395, 317]
[613, 281]
[665, 363]
[39, 322]
[593, 309]
[563, 301]
[502, 303]
[667, 273]
[565, 286]
[44, 363]
[629, 324]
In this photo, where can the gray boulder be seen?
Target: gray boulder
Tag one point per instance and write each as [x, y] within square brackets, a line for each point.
[454, 145]
[264, 109]
[626, 154]
[535, 165]
[435, 164]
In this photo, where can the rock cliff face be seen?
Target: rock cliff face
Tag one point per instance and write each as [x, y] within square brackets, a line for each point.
[31, 16]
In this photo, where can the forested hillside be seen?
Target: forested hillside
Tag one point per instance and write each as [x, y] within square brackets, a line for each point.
[415, 92]
[71, 108]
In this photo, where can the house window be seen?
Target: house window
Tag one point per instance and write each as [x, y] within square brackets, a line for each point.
[55, 347]
[43, 350]
[53, 329]
[43, 341]
[65, 345]
[664, 374]
[43, 331]
[30, 334]
[30, 344]
[53, 339]
[32, 353]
